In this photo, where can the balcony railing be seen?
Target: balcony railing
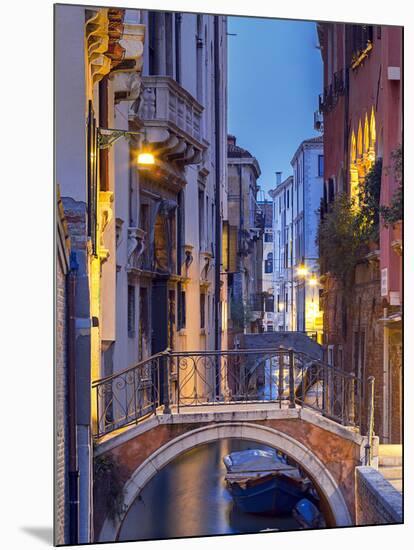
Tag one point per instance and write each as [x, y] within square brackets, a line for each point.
[329, 99]
[170, 381]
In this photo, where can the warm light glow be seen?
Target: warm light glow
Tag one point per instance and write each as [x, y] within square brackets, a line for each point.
[313, 281]
[302, 270]
[145, 158]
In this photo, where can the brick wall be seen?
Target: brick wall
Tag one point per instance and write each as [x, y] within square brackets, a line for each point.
[63, 241]
[377, 502]
[351, 323]
[61, 424]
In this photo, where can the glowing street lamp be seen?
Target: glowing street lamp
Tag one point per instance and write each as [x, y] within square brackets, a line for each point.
[145, 156]
[302, 270]
[108, 136]
[313, 281]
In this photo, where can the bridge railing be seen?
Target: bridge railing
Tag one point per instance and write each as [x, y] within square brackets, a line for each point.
[177, 380]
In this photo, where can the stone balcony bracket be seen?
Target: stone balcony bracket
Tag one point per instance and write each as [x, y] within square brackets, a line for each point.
[105, 215]
[397, 246]
[136, 246]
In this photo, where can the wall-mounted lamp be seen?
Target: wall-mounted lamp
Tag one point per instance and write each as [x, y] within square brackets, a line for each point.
[108, 136]
[302, 270]
[313, 281]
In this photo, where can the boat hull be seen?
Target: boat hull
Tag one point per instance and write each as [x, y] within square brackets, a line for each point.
[275, 496]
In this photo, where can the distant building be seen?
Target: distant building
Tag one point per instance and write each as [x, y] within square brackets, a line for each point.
[296, 201]
[307, 191]
[283, 253]
[245, 245]
[268, 267]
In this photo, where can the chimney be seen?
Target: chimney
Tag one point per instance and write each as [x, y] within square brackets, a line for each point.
[278, 178]
[231, 140]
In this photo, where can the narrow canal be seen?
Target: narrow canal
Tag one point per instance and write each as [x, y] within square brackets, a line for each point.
[189, 498]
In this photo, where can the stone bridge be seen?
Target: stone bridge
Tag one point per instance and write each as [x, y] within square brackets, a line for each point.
[325, 450]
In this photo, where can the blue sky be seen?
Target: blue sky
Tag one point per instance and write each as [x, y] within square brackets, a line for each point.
[275, 76]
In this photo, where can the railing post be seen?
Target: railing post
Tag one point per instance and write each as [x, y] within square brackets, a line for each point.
[281, 374]
[166, 381]
[292, 404]
[368, 446]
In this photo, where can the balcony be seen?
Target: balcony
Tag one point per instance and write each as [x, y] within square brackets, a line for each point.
[172, 120]
[329, 99]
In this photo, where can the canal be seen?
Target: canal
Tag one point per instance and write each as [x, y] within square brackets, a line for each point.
[189, 498]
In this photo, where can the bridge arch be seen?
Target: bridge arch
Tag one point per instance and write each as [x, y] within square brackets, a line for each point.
[321, 476]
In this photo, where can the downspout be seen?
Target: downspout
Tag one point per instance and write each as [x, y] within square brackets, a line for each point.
[177, 23]
[218, 153]
[72, 420]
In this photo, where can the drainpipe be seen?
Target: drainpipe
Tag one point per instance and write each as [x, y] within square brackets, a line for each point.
[386, 383]
[73, 451]
[177, 23]
[218, 153]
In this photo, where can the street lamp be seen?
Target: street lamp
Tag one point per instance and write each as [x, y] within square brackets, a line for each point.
[302, 270]
[108, 136]
[313, 281]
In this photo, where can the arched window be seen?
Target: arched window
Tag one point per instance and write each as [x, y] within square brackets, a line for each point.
[366, 135]
[353, 170]
[359, 140]
[372, 131]
[353, 148]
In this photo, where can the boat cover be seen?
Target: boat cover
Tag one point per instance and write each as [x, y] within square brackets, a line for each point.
[254, 460]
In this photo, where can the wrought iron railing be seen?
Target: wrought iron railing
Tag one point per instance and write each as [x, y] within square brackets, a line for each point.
[171, 381]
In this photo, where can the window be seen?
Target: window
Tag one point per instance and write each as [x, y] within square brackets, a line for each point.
[286, 302]
[287, 198]
[269, 263]
[131, 311]
[320, 165]
[143, 323]
[268, 237]
[201, 220]
[202, 310]
[269, 303]
[269, 328]
[331, 355]
[181, 313]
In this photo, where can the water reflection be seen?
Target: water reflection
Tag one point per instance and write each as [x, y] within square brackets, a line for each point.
[189, 498]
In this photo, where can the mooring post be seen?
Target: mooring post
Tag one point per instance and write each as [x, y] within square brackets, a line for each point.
[370, 431]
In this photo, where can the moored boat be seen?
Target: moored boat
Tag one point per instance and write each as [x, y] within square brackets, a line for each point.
[262, 482]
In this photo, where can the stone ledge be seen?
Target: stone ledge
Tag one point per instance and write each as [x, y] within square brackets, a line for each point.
[386, 499]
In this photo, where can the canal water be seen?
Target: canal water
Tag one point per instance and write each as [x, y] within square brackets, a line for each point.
[188, 497]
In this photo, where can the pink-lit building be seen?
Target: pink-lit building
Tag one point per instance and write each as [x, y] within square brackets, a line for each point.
[362, 122]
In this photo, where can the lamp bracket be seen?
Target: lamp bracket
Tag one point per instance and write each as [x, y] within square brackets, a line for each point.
[108, 136]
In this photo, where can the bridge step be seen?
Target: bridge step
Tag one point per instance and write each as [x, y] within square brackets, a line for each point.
[390, 455]
[390, 464]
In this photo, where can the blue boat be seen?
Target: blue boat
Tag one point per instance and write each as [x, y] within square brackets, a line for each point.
[262, 482]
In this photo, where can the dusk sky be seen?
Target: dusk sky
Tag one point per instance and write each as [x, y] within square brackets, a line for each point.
[275, 77]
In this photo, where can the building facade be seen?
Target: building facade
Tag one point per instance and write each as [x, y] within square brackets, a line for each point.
[362, 118]
[61, 376]
[146, 240]
[296, 202]
[283, 253]
[245, 226]
[307, 165]
[269, 316]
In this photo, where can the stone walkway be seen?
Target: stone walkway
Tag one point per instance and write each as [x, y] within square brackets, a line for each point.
[390, 465]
